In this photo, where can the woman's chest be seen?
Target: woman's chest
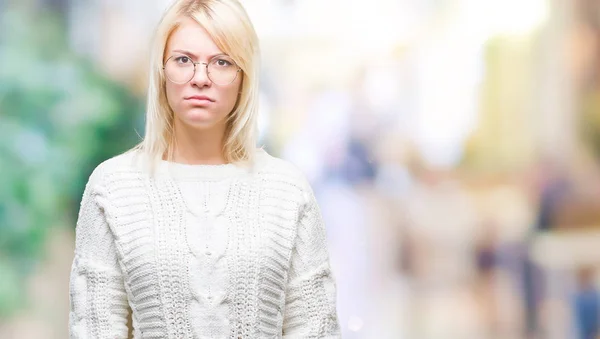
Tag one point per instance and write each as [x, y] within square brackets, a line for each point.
[170, 233]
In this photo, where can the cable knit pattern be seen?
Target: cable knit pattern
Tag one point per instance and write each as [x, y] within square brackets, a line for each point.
[97, 293]
[311, 291]
[201, 251]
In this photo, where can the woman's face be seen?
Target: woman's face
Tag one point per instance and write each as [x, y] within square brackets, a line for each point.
[199, 103]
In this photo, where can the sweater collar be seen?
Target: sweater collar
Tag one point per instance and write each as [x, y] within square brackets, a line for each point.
[181, 171]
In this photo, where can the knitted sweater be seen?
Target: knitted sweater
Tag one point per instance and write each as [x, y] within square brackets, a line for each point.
[201, 251]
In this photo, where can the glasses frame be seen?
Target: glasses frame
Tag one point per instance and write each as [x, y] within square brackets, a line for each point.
[205, 69]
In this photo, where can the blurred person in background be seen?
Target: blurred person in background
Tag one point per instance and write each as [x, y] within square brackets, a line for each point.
[195, 229]
[552, 190]
[586, 305]
[487, 264]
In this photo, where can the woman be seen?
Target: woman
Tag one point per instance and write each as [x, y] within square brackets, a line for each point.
[202, 234]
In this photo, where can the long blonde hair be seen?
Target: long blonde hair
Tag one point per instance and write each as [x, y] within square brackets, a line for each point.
[229, 26]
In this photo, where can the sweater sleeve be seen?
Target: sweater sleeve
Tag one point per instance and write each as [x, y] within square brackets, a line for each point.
[310, 305]
[98, 301]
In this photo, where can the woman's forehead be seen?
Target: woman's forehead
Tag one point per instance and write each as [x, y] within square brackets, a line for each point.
[192, 38]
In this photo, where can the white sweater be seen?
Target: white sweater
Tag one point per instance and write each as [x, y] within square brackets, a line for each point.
[201, 251]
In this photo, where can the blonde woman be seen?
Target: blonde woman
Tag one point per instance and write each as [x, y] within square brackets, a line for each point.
[197, 231]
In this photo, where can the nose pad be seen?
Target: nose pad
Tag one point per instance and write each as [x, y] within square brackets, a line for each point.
[201, 75]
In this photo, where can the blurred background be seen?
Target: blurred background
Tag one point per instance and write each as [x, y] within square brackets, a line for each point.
[453, 145]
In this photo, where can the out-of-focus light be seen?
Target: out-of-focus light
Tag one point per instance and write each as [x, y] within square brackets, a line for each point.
[364, 30]
[516, 16]
[509, 17]
[449, 71]
[380, 26]
[355, 323]
[381, 84]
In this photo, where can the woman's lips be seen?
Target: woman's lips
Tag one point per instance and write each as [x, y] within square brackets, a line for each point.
[199, 99]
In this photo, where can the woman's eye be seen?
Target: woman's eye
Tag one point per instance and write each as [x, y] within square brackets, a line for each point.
[182, 59]
[223, 62]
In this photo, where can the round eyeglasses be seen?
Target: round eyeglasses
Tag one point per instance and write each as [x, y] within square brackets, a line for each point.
[221, 69]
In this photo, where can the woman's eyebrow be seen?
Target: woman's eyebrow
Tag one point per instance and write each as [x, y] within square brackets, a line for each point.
[194, 55]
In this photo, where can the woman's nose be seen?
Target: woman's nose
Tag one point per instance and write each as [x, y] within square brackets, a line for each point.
[201, 75]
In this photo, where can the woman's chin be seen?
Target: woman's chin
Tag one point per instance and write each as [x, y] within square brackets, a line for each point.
[201, 118]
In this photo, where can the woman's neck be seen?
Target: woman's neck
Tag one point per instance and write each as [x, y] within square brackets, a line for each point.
[198, 147]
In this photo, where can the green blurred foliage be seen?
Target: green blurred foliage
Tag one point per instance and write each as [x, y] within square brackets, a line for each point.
[59, 118]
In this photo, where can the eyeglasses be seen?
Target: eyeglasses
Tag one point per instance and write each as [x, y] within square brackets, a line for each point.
[220, 69]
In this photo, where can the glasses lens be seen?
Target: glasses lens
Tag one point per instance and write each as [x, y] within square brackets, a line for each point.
[222, 70]
[179, 69]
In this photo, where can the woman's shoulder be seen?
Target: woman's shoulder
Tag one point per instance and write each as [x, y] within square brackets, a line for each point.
[273, 168]
[121, 164]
